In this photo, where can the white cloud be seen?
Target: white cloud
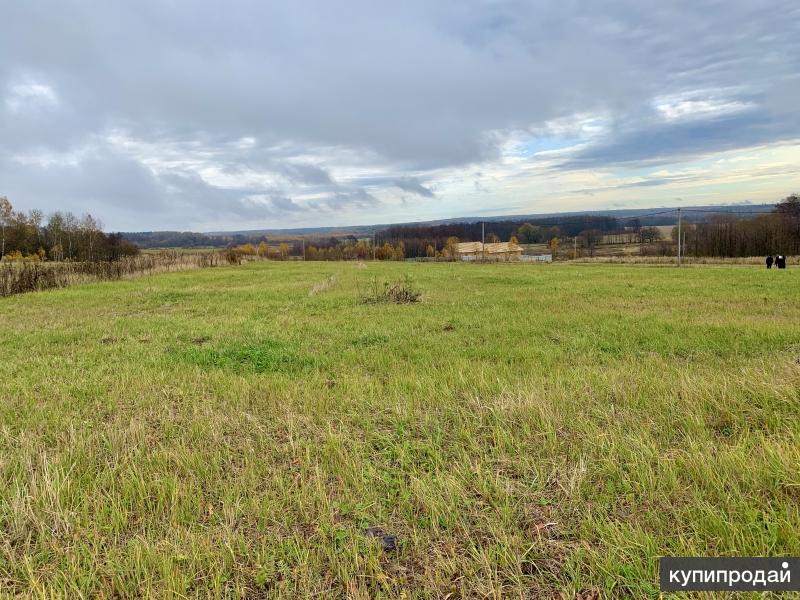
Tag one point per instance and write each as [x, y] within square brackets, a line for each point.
[30, 96]
[677, 109]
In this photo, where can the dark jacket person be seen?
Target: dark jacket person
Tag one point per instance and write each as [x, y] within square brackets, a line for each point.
[780, 261]
[769, 261]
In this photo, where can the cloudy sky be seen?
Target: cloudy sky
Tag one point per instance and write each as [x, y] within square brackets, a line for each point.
[191, 114]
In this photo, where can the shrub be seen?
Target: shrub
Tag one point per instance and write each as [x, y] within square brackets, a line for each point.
[401, 291]
[233, 256]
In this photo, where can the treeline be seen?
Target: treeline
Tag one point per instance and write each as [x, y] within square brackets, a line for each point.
[728, 236]
[348, 248]
[421, 240]
[60, 237]
[188, 239]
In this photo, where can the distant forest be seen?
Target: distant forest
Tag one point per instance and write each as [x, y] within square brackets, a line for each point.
[774, 233]
[64, 237]
[188, 239]
[704, 233]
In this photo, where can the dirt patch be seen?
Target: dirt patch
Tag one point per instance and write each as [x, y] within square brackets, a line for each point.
[388, 541]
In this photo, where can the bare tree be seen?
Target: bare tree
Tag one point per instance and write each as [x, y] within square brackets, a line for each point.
[789, 206]
[6, 214]
[90, 227]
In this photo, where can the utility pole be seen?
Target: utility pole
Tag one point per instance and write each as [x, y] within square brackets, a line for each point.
[483, 241]
[679, 237]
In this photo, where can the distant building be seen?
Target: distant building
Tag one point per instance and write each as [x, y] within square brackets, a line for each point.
[498, 251]
[537, 257]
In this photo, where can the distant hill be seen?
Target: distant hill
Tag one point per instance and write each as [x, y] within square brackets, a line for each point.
[189, 239]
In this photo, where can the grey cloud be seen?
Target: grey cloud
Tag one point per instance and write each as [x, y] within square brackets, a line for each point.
[648, 142]
[285, 204]
[409, 184]
[356, 198]
[307, 173]
[98, 183]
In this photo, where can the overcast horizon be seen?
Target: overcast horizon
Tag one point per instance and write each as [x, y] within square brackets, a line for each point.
[211, 117]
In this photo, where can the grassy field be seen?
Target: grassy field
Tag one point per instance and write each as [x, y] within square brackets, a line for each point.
[525, 431]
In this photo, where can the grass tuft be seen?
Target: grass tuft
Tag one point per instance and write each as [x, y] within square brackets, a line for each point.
[268, 356]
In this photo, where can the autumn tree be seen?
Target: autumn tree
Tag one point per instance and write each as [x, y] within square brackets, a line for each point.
[554, 244]
[451, 247]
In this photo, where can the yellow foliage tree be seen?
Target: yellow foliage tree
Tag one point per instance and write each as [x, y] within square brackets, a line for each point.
[451, 247]
[554, 244]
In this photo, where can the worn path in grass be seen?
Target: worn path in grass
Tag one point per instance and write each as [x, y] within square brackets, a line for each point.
[525, 431]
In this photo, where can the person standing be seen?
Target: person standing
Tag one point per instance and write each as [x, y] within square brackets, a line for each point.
[769, 261]
[780, 261]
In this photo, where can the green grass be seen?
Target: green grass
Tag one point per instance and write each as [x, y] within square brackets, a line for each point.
[524, 431]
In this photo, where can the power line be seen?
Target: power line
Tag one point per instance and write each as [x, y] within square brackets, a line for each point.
[733, 212]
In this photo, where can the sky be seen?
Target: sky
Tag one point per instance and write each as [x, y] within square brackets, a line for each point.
[210, 116]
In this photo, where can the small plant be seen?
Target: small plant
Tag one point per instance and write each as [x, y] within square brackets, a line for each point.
[401, 291]
[323, 286]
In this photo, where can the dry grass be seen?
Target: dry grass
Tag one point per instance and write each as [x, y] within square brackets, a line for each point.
[322, 286]
[23, 277]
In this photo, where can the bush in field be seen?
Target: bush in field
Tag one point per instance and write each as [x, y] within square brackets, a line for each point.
[402, 291]
[233, 256]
